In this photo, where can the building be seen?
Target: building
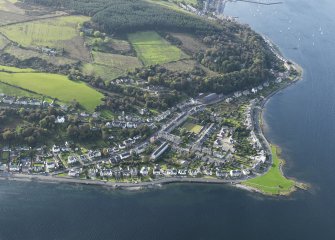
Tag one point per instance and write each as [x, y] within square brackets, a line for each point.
[159, 151]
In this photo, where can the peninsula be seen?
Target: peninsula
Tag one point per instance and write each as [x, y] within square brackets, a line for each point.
[132, 94]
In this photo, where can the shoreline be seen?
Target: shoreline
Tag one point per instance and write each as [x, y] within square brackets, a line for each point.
[238, 183]
[258, 121]
[116, 185]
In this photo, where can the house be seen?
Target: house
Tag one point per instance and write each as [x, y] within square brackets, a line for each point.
[50, 165]
[157, 171]
[220, 174]
[14, 168]
[55, 149]
[73, 173]
[121, 146]
[8, 100]
[182, 172]
[133, 172]
[144, 171]
[143, 111]
[97, 154]
[124, 155]
[72, 159]
[235, 173]
[60, 119]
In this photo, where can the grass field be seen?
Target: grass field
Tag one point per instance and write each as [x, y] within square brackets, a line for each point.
[3, 42]
[55, 86]
[193, 128]
[273, 182]
[152, 49]
[17, 92]
[110, 66]
[24, 54]
[60, 33]
[16, 70]
[8, 6]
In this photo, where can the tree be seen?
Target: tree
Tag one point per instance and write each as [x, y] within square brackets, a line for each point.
[97, 34]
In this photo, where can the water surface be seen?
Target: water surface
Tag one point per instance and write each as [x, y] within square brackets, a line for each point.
[300, 120]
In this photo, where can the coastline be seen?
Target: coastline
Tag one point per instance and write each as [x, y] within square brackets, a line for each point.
[238, 183]
[259, 121]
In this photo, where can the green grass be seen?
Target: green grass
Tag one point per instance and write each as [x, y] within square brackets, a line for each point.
[50, 32]
[61, 33]
[24, 54]
[273, 182]
[3, 42]
[16, 70]
[110, 66]
[107, 114]
[17, 92]
[152, 49]
[55, 86]
[191, 127]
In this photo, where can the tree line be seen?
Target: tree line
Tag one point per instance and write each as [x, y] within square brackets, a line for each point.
[117, 16]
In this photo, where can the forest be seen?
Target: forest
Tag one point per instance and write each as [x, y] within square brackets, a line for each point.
[117, 16]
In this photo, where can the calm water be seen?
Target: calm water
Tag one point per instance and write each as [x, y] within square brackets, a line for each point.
[300, 120]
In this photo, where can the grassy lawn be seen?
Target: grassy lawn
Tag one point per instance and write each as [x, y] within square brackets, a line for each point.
[273, 182]
[193, 128]
[60, 33]
[55, 86]
[152, 49]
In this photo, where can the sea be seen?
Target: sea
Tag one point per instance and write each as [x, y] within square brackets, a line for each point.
[299, 119]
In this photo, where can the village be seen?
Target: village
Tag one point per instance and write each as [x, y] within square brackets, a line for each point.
[212, 136]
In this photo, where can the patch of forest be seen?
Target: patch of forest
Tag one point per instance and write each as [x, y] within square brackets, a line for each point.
[130, 15]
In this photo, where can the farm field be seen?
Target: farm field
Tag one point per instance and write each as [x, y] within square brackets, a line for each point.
[105, 72]
[8, 6]
[189, 42]
[55, 86]
[15, 70]
[3, 42]
[193, 128]
[273, 182]
[152, 49]
[182, 65]
[17, 92]
[24, 54]
[121, 62]
[110, 66]
[60, 33]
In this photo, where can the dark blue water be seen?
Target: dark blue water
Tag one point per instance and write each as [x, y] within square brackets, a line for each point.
[300, 120]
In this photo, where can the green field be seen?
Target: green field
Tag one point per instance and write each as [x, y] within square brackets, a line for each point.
[110, 66]
[16, 92]
[16, 70]
[60, 33]
[193, 128]
[152, 49]
[3, 42]
[55, 86]
[24, 54]
[273, 182]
